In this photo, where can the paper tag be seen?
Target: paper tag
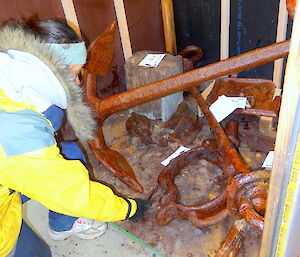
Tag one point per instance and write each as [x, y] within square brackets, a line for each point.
[152, 60]
[225, 105]
[174, 155]
[241, 102]
[269, 160]
[222, 107]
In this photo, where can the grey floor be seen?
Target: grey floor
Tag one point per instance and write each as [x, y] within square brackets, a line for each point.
[113, 243]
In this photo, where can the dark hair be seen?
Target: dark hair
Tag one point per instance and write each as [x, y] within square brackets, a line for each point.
[52, 31]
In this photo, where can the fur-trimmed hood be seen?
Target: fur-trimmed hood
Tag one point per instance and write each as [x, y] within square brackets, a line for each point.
[79, 114]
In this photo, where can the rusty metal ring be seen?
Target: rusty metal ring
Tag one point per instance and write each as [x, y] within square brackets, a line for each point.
[200, 214]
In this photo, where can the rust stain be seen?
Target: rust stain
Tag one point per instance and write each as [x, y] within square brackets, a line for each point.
[101, 52]
[259, 93]
[291, 5]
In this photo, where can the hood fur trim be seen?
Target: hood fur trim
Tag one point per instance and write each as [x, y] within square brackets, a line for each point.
[79, 114]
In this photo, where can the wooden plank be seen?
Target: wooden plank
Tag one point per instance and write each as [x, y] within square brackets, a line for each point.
[169, 26]
[70, 14]
[281, 36]
[123, 28]
[288, 129]
[152, 20]
[225, 23]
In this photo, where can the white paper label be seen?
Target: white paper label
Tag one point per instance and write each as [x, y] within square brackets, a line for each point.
[222, 107]
[241, 102]
[225, 105]
[152, 60]
[175, 154]
[269, 160]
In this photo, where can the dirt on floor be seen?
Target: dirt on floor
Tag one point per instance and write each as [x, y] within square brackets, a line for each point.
[197, 183]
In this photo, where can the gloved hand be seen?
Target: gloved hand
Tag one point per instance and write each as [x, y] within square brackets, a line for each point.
[142, 207]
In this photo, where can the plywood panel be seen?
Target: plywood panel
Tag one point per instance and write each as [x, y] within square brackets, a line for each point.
[145, 25]
[253, 25]
[197, 22]
[18, 9]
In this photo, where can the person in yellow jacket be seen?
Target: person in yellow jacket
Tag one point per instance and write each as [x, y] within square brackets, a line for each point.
[39, 64]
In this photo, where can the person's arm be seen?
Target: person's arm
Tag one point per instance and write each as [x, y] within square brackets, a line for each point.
[11, 220]
[63, 186]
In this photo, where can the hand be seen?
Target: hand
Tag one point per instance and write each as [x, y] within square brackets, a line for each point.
[142, 207]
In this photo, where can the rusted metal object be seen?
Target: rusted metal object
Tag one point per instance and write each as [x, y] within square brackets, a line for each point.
[203, 214]
[186, 130]
[260, 93]
[232, 131]
[256, 140]
[237, 197]
[242, 189]
[189, 63]
[234, 240]
[244, 196]
[100, 55]
[291, 5]
[185, 124]
[187, 80]
[226, 146]
[139, 125]
[183, 127]
[99, 62]
[123, 101]
[114, 162]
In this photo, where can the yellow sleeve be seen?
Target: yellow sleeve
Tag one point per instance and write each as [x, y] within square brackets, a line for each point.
[62, 185]
[11, 219]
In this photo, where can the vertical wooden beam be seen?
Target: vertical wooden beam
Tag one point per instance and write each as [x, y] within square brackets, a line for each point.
[288, 130]
[123, 28]
[169, 26]
[225, 25]
[281, 36]
[70, 14]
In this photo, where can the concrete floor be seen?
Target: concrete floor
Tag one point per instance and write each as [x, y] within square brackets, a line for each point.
[113, 243]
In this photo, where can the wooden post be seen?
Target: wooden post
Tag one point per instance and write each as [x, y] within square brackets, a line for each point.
[225, 22]
[169, 26]
[281, 36]
[136, 76]
[123, 28]
[70, 14]
[288, 129]
[266, 123]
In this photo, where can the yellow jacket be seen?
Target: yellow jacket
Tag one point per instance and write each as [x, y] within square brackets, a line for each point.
[30, 163]
[61, 185]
